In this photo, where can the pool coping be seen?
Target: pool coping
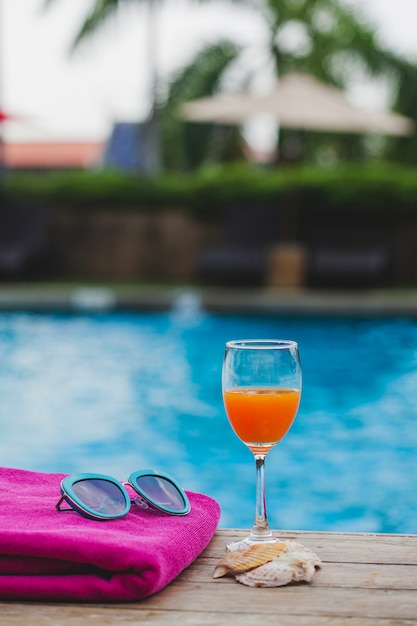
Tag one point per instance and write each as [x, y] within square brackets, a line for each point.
[300, 302]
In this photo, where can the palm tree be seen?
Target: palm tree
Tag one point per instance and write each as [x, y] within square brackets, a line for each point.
[337, 45]
[187, 146]
[321, 37]
[327, 40]
[104, 10]
[101, 12]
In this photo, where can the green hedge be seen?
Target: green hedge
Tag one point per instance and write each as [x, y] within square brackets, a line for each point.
[210, 191]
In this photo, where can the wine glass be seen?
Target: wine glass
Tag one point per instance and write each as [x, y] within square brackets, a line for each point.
[261, 384]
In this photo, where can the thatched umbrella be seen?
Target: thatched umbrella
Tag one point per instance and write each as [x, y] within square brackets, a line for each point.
[301, 102]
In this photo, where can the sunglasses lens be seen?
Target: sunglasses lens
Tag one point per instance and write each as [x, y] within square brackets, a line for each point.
[100, 496]
[162, 492]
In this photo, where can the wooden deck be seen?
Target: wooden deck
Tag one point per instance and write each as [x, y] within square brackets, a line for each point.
[366, 580]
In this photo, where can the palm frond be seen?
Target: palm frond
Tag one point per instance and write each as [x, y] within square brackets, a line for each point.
[187, 145]
[100, 13]
[203, 75]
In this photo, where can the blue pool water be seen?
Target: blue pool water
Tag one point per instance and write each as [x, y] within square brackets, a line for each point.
[115, 392]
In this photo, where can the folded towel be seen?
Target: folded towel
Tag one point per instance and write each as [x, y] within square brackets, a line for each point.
[61, 556]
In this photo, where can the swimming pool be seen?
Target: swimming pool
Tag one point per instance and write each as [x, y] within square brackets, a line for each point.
[115, 392]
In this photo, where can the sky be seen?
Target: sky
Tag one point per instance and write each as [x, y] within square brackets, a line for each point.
[58, 96]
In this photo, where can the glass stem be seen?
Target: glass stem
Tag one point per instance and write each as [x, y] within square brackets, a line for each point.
[260, 530]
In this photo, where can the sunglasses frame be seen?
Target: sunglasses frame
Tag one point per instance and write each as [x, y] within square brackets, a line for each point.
[69, 496]
[153, 503]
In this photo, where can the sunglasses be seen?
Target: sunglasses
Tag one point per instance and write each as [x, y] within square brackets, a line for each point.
[101, 497]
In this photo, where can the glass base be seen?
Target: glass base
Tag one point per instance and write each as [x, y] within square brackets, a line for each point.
[251, 540]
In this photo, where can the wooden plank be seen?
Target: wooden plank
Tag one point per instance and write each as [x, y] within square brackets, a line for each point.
[35, 615]
[290, 600]
[331, 575]
[340, 547]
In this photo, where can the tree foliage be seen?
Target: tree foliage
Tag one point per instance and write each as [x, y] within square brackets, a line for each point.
[101, 11]
[187, 146]
[335, 44]
[324, 38]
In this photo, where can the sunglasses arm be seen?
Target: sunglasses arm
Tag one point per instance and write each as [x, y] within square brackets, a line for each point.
[59, 506]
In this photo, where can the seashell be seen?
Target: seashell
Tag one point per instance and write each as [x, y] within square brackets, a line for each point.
[295, 565]
[294, 546]
[248, 558]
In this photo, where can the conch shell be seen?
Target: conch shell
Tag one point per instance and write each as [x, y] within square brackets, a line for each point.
[258, 567]
[245, 559]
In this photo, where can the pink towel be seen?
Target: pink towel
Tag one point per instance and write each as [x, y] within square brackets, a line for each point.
[61, 556]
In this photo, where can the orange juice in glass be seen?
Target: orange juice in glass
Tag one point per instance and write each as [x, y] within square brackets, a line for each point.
[261, 417]
[261, 383]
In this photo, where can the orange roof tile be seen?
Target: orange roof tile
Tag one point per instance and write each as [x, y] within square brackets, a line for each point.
[50, 155]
